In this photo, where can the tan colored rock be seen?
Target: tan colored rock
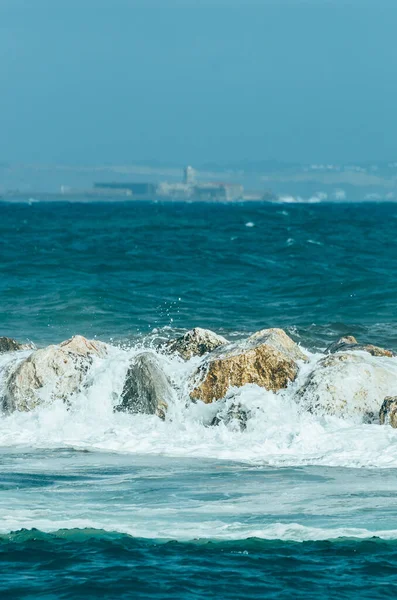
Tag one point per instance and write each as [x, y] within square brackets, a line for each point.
[375, 350]
[195, 342]
[269, 358]
[349, 343]
[388, 412]
[348, 385]
[50, 373]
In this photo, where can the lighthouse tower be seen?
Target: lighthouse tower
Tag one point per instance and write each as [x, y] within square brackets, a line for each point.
[189, 175]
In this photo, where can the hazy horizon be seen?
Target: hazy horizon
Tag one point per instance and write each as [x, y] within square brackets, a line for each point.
[197, 82]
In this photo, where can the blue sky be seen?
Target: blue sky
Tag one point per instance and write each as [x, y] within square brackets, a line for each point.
[95, 81]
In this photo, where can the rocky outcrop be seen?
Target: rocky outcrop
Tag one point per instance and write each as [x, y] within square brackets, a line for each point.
[269, 358]
[147, 389]
[50, 373]
[10, 345]
[348, 385]
[349, 344]
[388, 412]
[195, 342]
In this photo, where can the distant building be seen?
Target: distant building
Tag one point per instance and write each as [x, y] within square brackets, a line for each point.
[185, 190]
[143, 190]
[189, 175]
[174, 190]
[218, 191]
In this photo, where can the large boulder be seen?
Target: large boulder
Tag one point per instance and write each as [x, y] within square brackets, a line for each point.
[269, 358]
[348, 385]
[388, 412]
[9, 345]
[195, 342]
[147, 389]
[349, 343]
[50, 373]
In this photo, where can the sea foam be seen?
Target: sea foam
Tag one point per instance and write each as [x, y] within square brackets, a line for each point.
[279, 431]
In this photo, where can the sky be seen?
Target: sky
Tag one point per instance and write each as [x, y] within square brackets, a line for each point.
[197, 81]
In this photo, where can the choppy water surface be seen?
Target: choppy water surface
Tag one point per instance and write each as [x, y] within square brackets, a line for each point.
[113, 270]
[101, 504]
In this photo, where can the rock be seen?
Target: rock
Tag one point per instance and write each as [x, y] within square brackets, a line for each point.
[269, 358]
[51, 373]
[348, 340]
[147, 389]
[234, 417]
[195, 342]
[349, 343]
[388, 411]
[348, 385]
[10, 345]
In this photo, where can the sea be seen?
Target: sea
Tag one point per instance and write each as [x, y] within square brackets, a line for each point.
[102, 504]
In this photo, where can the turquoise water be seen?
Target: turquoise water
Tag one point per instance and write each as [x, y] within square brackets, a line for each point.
[96, 504]
[116, 270]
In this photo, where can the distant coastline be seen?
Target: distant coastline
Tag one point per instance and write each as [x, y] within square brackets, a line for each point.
[244, 181]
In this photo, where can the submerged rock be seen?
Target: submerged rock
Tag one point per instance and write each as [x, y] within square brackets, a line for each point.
[269, 358]
[348, 385]
[55, 372]
[147, 389]
[388, 411]
[234, 417]
[195, 342]
[349, 343]
[10, 345]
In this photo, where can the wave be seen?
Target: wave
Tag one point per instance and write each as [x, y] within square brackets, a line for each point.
[283, 532]
[278, 433]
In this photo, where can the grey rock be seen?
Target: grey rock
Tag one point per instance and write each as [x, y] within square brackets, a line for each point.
[10, 345]
[195, 342]
[147, 388]
[234, 417]
[388, 411]
[340, 345]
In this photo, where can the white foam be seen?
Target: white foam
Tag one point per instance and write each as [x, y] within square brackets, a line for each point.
[278, 433]
[204, 530]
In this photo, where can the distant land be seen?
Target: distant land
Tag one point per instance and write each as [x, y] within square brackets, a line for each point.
[245, 180]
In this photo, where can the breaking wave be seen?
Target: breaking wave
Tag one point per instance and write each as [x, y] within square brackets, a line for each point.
[279, 431]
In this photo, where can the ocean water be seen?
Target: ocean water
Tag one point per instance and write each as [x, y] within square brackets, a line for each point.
[100, 504]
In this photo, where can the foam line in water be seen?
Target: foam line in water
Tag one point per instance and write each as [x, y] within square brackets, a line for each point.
[292, 532]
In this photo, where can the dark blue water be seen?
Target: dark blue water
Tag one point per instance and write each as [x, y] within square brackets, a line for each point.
[86, 524]
[88, 564]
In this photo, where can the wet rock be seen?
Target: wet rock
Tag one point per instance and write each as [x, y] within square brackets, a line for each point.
[235, 417]
[269, 358]
[55, 372]
[195, 342]
[147, 388]
[388, 412]
[339, 345]
[349, 343]
[348, 385]
[10, 345]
